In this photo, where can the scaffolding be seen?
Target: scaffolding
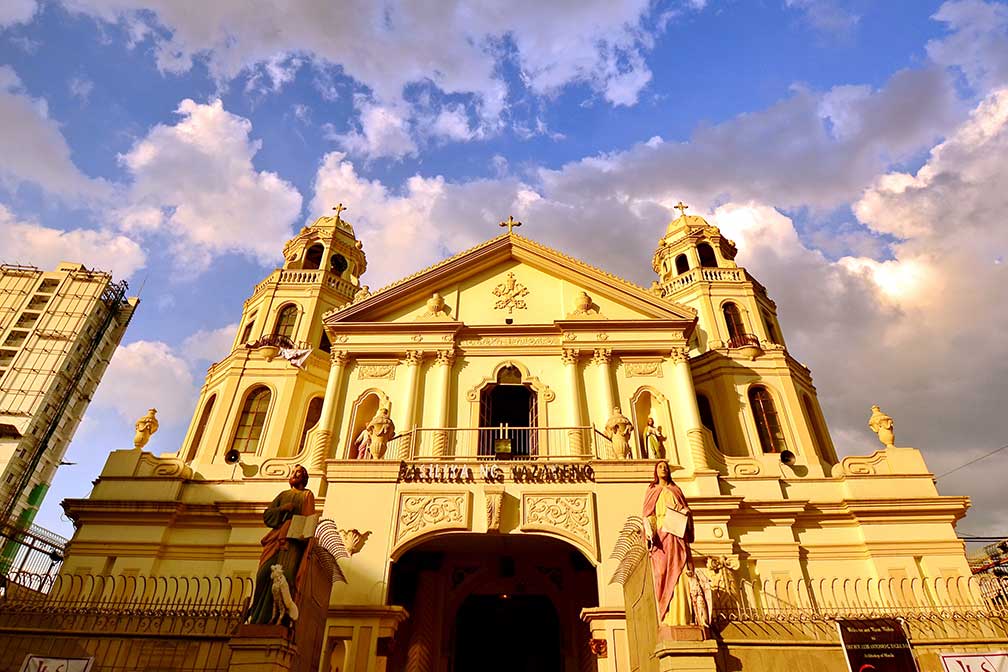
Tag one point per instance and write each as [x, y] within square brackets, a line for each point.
[56, 352]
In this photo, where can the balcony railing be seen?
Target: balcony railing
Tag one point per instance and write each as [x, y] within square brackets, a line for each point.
[706, 275]
[497, 443]
[744, 341]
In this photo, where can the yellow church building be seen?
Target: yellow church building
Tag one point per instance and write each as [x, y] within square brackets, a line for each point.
[485, 429]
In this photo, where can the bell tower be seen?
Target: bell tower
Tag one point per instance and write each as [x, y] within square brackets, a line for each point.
[265, 396]
[754, 398]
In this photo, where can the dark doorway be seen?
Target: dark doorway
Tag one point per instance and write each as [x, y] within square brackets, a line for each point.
[506, 633]
[510, 405]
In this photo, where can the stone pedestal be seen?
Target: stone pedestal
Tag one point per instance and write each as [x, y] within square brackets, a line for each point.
[686, 656]
[265, 648]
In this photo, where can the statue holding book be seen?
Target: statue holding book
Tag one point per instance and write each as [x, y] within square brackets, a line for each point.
[292, 520]
[668, 528]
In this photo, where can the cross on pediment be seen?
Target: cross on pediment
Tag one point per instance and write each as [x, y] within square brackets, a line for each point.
[510, 223]
[339, 208]
[681, 207]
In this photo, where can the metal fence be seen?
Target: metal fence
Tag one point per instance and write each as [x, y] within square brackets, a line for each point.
[961, 597]
[122, 622]
[503, 442]
[37, 551]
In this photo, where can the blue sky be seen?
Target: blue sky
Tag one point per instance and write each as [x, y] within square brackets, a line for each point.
[853, 150]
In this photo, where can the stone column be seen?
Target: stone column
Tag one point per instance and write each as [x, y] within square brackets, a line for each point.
[576, 440]
[686, 407]
[602, 358]
[413, 360]
[327, 420]
[442, 392]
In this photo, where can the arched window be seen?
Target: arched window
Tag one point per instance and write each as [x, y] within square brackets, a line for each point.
[706, 253]
[313, 257]
[770, 330]
[733, 320]
[707, 417]
[285, 321]
[311, 419]
[338, 264]
[200, 428]
[251, 420]
[681, 264]
[768, 427]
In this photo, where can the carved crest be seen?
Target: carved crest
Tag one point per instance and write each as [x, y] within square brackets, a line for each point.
[510, 292]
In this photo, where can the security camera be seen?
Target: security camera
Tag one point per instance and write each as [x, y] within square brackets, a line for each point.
[232, 456]
[787, 457]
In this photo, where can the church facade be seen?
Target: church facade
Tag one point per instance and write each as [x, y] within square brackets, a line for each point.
[484, 431]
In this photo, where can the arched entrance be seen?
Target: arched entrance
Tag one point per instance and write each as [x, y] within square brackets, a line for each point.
[486, 602]
[482, 619]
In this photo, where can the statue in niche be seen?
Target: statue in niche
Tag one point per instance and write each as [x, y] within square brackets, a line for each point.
[145, 426]
[654, 441]
[291, 517]
[668, 529]
[436, 308]
[619, 430]
[882, 424]
[380, 431]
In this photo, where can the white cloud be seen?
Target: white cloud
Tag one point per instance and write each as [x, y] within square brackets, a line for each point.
[453, 123]
[209, 345]
[196, 182]
[148, 374]
[977, 43]
[384, 132]
[825, 16]
[80, 88]
[457, 48]
[30, 243]
[33, 147]
[17, 11]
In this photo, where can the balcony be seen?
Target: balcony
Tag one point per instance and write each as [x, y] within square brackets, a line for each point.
[499, 443]
[702, 274]
[747, 345]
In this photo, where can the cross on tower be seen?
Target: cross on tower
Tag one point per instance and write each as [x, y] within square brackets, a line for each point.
[681, 207]
[510, 223]
[339, 208]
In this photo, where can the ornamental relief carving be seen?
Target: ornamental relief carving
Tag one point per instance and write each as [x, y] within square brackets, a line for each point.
[423, 512]
[376, 369]
[571, 515]
[642, 368]
[509, 340]
[511, 293]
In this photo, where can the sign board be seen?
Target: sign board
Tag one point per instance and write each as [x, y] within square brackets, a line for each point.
[876, 645]
[974, 662]
[33, 663]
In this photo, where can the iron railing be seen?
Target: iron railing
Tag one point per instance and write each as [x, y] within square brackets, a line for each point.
[797, 600]
[743, 341]
[503, 442]
[39, 551]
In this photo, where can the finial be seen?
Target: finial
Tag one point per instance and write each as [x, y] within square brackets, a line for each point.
[510, 223]
[339, 208]
[681, 207]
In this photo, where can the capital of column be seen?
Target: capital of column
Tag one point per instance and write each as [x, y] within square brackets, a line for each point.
[678, 355]
[446, 357]
[602, 356]
[569, 356]
[413, 357]
[339, 357]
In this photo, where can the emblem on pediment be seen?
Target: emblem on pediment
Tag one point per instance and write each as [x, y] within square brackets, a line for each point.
[511, 294]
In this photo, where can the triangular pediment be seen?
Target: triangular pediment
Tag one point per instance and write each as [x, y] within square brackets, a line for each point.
[510, 277]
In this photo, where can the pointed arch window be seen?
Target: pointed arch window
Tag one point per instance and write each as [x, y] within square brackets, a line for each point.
[681, 264]
[768, 426]
[201, 428]
[286, 319]
[251, 421]
[733, 320]
[706, 254]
